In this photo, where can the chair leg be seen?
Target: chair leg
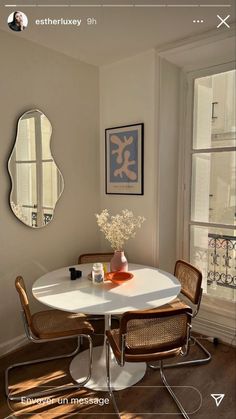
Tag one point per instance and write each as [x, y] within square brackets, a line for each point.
[201, 361]
[171, 392]
[109, 379]
[54, 389]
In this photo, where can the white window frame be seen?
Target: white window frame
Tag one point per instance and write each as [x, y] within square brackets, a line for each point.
[188, 152]
[214, 318]
[217, 315]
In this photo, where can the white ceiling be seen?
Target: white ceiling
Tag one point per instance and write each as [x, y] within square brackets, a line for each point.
[120, 31]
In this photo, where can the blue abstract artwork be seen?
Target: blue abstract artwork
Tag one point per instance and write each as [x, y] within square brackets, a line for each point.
[124, 160]
[124, 156]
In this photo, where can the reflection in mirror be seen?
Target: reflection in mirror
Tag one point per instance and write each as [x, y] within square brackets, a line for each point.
[37, 183]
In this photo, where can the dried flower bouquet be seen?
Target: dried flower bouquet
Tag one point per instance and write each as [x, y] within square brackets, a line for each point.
[118, 228]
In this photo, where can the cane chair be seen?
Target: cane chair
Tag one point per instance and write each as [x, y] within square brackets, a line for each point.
[48, 326]
[145, 336]
[190, 279]
[95, 257]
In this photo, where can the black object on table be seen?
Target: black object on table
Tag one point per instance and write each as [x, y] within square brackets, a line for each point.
[74, 274]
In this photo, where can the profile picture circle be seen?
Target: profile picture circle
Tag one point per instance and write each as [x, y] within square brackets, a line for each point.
[17, 21]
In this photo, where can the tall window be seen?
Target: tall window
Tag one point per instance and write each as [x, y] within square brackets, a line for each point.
[213, 183]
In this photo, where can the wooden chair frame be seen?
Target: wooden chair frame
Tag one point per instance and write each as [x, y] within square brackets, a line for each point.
[30, 335]
[123, 329]
[107, 257]
[197, 302]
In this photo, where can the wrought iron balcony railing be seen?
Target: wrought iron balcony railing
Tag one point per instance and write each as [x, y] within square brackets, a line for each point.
[34, 219]
[221, 260]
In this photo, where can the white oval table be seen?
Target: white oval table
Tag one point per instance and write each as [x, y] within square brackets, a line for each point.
[149, 288]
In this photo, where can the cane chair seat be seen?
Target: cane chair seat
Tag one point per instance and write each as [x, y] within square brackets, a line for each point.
[50, 324]
[175, 304]
[46, 326]
[55, 323]
[95, 257]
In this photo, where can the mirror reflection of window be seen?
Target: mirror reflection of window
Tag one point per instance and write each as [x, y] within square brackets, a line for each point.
[36, 181]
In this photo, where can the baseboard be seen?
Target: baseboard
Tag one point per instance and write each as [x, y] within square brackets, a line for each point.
[217, 318]
[212, 329]
[12, 344]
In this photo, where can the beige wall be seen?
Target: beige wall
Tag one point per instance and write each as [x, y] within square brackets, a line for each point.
[127, 96]
[145, 89]
[67, 92]
[168, 138]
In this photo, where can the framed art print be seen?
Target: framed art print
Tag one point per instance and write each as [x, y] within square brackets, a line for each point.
[124, 160]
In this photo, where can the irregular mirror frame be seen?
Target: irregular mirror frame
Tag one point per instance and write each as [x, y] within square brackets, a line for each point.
[37, 183]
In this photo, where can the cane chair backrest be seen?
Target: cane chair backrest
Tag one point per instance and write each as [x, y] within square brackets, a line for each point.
[20, 287]
[190, 279]
[95, 257]
[154, 331]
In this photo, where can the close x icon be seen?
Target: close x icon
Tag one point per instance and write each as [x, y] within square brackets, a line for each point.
[223, 21]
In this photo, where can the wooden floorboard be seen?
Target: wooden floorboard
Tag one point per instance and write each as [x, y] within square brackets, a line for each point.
[146, 400]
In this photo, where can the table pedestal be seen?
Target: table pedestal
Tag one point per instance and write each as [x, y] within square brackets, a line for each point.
[121, 377]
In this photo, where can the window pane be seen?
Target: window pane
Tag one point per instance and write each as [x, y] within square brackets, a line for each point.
[50, 186]
[213, 251]
[46, 136]
[25, 145]
[47, 215]
[23, 213]
[214, 122]
[29, 214]
[214, 188]
[26, 188]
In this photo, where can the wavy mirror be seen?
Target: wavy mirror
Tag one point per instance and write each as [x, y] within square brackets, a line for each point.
[37, 183]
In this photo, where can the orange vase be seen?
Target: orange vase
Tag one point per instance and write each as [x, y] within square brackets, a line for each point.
[119, 262]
